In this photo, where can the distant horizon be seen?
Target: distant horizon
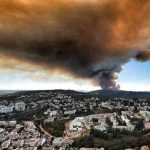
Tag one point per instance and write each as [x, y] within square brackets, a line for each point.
[129, 80]
[12, 91]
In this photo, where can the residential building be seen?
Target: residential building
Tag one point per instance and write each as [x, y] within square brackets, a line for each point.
[20, 106]
[6, 109]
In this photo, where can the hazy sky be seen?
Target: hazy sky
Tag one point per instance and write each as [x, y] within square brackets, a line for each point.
[75, 44]
[135, 76]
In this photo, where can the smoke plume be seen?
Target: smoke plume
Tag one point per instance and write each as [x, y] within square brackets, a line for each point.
[85, 38]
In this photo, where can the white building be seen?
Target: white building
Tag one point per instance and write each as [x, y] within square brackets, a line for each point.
[104, 104]
[20, 106]
[8, 123]
[77, 124]
[70, 112]
[53, 113]
[147, 125]
[100, 127]
[147, 118]
[57, 142]
[128, 128]
[6, 109]
[144, 113]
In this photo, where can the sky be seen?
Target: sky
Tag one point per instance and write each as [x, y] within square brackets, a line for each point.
[134, 77]
[75, 44]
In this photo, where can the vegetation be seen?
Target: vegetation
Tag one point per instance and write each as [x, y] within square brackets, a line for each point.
[86, 141]
[109, 122]
[120, 121]
[56, 128]
[106, 136]
[113, 140]
[138, 123]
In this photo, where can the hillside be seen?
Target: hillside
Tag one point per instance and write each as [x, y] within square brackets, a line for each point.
[124, 94]
[102, 93]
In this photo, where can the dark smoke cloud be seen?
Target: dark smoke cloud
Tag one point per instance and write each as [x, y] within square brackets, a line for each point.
[87, 39]
[143, 56]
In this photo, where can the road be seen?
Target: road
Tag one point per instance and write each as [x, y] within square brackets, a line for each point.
[45, 131]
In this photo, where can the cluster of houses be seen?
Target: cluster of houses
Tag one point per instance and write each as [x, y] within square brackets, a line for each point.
[80, 125]
[70, 104]
[26, 136]
[18, 106]
[21, 136]
[99, 113]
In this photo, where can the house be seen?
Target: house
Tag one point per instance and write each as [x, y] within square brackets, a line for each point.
[20, 106]
[6, 144]
[8, 123]
[128, 128]
[47, 148]
[147, 125]
[101, 127]
[53, 113]
[31, 142]
[67, 142]
[1, 130]
[6, 109]
[49, 119]
[147, 118]
[90, 149]
[57, 142]
[77, 124]
[70, 112]
[144, 148]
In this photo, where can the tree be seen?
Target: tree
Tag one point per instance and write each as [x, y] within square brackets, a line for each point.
[86, 141]
[109, 122]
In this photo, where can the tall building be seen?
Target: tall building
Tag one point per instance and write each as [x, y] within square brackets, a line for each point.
[20, 106]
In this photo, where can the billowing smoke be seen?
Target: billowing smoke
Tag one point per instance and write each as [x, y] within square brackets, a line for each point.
[85, 38]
